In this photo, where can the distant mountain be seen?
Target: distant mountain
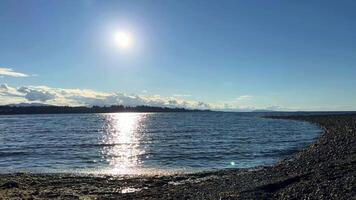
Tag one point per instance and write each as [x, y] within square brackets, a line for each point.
[263, 110]
[50, 109]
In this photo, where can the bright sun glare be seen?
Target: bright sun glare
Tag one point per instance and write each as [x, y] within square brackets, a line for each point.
[123, 39]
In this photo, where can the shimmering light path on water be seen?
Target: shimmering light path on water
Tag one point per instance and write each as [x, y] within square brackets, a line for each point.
[146, 143]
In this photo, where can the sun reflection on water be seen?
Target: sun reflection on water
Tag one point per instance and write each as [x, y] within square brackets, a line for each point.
[122, 142]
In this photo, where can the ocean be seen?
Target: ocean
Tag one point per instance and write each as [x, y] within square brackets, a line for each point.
[147, 143]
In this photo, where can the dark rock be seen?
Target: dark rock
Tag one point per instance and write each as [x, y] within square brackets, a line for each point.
[10, 185]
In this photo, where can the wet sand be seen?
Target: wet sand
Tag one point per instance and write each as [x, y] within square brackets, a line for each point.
[323, 170]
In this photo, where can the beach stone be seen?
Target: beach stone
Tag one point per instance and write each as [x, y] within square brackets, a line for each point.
[10, 185]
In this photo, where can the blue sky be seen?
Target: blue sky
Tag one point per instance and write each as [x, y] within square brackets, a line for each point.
[286, 55]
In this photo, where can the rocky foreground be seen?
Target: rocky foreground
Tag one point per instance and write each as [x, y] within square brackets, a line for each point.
[324, 170]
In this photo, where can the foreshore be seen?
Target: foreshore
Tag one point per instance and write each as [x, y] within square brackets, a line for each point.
[324, 170]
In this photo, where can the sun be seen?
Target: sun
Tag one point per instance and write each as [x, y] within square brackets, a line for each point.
[123, 39]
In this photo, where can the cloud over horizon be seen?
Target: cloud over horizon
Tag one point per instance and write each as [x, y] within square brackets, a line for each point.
[4, 71]
[86, 97]
[244, 97]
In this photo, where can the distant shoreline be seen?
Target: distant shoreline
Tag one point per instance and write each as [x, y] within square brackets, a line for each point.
[29, 109]
[325, 169]
[48, 109]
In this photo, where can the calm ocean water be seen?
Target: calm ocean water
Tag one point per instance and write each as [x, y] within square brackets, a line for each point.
[139, 143]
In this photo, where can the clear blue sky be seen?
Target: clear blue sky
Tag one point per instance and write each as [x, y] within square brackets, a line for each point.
[259, 54]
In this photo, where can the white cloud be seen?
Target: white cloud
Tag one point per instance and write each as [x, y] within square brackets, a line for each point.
[85, 97]
[244, 97]
[9, 72]
[36, 94]
[182, 95]
[4, 87]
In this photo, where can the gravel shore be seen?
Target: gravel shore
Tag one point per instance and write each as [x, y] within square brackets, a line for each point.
[323, 170]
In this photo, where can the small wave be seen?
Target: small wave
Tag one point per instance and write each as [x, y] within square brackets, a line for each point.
[15, 153]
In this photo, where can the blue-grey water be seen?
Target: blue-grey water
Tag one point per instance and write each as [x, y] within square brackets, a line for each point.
[138, 143]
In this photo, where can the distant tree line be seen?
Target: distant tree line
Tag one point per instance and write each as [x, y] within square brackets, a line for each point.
[12, 110]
